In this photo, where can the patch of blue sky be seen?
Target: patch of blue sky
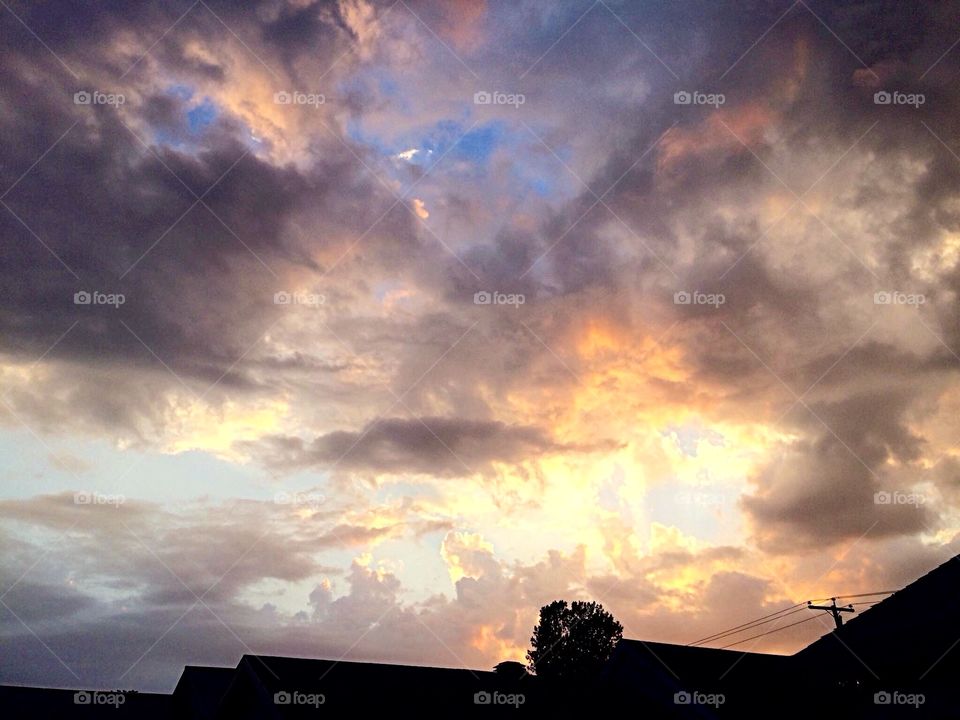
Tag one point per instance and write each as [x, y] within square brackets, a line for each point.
[197, 117]
[455, 144]
[479, 144]
[388, 85]
[543, 186]
[453, 138]
[202, 116]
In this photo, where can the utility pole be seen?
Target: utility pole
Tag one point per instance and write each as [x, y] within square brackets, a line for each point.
[832, 609]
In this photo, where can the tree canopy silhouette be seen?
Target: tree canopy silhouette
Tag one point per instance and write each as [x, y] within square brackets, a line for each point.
[573, 641]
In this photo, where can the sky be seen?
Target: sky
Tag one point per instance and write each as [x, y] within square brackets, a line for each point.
[362, 329]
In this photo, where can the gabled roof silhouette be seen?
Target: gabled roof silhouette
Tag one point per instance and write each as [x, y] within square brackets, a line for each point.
[32, 702]
[912, 636]
[200, 690]
[655, 674]
[279, 687]
[683, 665]
[910, 639]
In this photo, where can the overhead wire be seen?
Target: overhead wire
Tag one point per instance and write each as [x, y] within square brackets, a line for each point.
[780, 614]
[768, 632]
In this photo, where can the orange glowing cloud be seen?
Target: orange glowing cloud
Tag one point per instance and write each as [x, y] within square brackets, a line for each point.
[458, 22]
[598, 337]
[729, 128]
[485, 638]
[724, 131]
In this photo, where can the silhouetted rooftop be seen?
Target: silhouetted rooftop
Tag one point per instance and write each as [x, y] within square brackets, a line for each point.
[909, 638]
[30, 702]
[200, 690]
[912, 635]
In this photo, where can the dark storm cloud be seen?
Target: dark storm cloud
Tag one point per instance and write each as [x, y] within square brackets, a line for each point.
[797, 299]
[200, 299]
[797, 91]
[155, 567]
[833, 485]
[108, 190]
[827, 106]
[101, 204]
[431, 445]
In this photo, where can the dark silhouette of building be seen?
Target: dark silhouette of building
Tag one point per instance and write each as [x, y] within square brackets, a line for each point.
[29, 702]
[200, 691]
[900, 658]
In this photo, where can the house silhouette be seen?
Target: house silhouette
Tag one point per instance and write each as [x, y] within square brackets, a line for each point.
[900, 658]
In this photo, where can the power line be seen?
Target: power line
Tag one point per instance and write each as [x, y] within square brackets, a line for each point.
[743, 625]
[779, 615]
[757, 624]
[768, 632]
[841, 597]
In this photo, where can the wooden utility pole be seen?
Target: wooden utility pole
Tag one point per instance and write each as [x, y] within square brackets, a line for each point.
[832, 609]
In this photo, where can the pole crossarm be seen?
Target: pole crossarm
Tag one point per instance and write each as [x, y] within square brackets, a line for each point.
[833, 609]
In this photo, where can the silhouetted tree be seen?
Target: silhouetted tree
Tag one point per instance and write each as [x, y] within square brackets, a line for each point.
[574, 641]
